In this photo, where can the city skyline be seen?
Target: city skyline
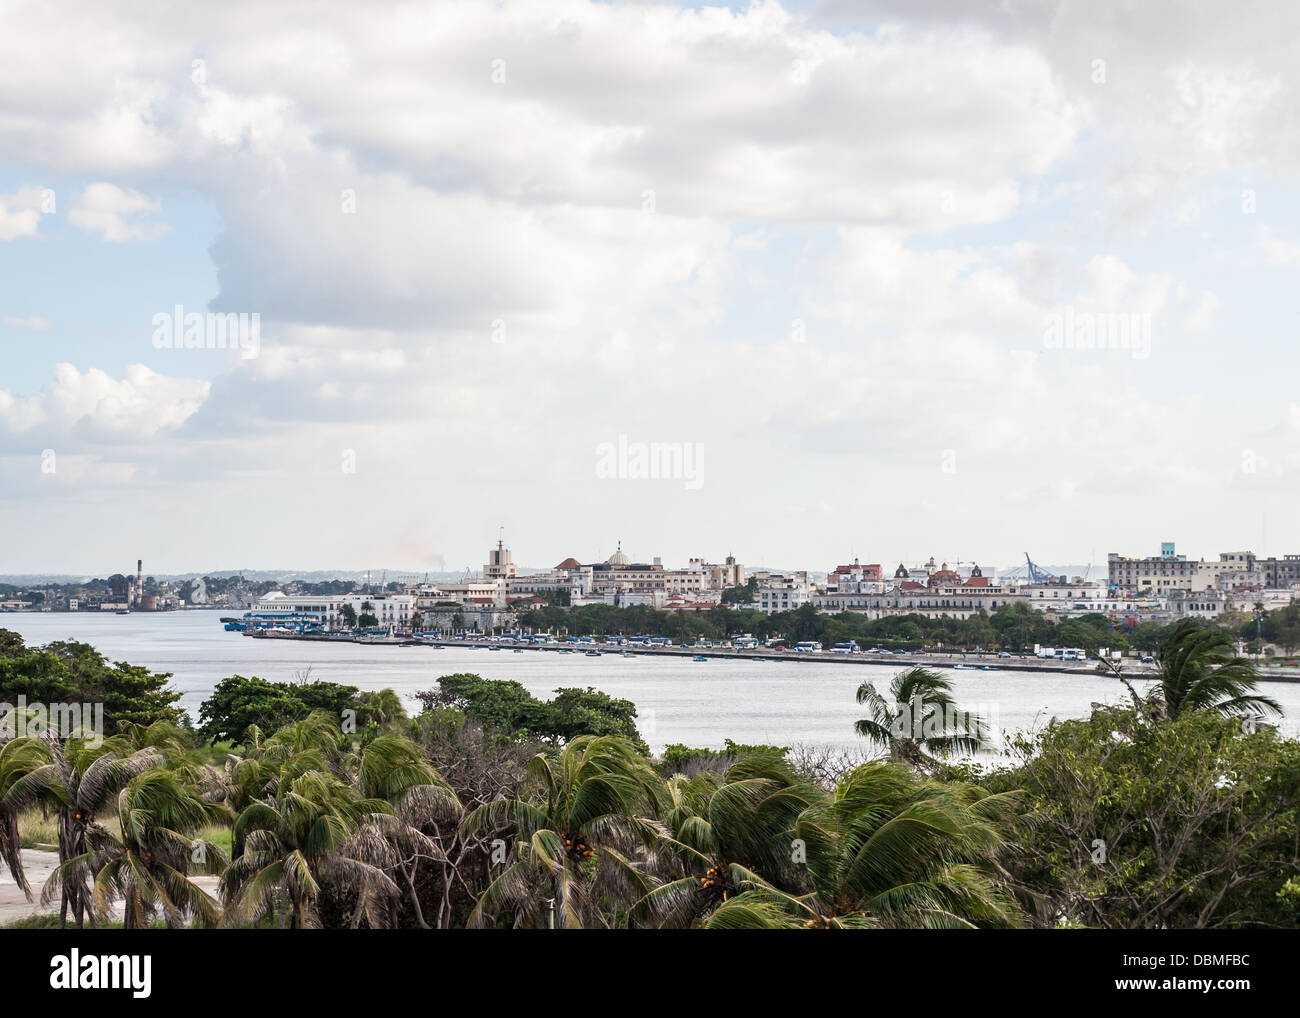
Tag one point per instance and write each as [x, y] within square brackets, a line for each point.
[795, 282]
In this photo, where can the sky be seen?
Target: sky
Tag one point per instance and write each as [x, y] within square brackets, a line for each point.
[798, 283]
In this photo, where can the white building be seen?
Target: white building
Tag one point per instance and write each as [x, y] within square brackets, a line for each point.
[781, 592]
[389, 609]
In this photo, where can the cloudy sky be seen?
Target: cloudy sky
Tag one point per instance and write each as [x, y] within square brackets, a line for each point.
[840, 259]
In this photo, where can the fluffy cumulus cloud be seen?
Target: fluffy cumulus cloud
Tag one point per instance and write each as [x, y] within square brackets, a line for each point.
[117, 215]
[95, 407]
[20, 213]
[831, 247]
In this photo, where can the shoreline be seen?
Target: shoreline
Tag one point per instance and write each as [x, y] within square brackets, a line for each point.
[956, 661]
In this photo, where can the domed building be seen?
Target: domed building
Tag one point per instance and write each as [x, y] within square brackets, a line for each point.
[944, 576]
[618, 559]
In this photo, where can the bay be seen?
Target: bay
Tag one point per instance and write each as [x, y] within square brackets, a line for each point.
[796, 702]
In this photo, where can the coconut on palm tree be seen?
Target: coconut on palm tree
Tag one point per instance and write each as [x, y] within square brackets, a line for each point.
[595, 805]
[891, 849]
[919, 719]
[727, 832]
[1199, 670]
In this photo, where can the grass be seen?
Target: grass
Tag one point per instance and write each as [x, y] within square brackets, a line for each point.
[50, 921]
[218, 835]
[35, 831]
[40, 921]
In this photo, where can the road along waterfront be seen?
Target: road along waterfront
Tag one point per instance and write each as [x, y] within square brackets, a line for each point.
[786, 700]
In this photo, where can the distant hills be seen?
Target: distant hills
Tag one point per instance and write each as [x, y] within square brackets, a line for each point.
[418, 576]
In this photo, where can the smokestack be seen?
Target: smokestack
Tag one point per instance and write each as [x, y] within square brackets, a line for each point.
[139, 582]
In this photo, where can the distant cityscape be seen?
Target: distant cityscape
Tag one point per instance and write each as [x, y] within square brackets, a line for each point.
[1159, 588]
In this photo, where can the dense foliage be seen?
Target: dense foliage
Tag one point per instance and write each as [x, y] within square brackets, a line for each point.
[491, 808]
[75, 673]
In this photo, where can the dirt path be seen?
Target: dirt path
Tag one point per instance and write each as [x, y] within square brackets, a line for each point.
[38, 866]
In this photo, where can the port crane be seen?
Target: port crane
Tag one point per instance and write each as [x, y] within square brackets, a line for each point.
[1037, 574]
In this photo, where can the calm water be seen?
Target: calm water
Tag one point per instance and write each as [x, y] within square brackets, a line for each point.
[678, 700]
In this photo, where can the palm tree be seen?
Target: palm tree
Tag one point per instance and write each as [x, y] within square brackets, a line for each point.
[11, 768]
[393, 770]
[598, 798]
[919, 718]
[295, 840]
[727, 832]
[148, 866]
[80, 787]
[1199, 670]
[891, 849]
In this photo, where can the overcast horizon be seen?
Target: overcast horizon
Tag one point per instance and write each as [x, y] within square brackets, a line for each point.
[880, 280]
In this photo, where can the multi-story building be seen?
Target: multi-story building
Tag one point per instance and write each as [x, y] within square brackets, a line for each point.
[390, 609]
[499, 565]
[856, 579]
[1280, 573]
[1169, 571]
[781, 592]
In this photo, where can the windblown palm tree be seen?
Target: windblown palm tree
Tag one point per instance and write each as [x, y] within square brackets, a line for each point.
[598, 799]
[295, 840]
[148, 867]
[891, 849]
[81, 783]
[1200, 671]
[392, 769]
[727, 832]
[919, 719]
[11, 768]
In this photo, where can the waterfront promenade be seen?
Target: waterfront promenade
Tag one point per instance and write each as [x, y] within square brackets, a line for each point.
[955, 660]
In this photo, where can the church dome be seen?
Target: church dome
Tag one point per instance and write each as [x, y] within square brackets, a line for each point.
[618, 558]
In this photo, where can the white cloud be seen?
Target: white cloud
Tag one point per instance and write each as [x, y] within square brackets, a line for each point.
[32, 323]
[20, 213]
[92, 406]
[617, 236]
[117, 215]
[1277, 250]
[1201, 318]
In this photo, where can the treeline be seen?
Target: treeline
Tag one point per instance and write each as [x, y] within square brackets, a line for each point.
[1177, 809]
[1015, 627]
[67, 672]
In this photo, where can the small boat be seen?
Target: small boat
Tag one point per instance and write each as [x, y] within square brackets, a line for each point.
[494, 648]
[989, 668]
[699, 657]
[964, 668]
[519, 650]
[592, 653]
[125, 611]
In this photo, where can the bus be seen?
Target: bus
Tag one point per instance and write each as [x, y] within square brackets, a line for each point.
[810, 647]
[1061, 653]
[850, 647]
